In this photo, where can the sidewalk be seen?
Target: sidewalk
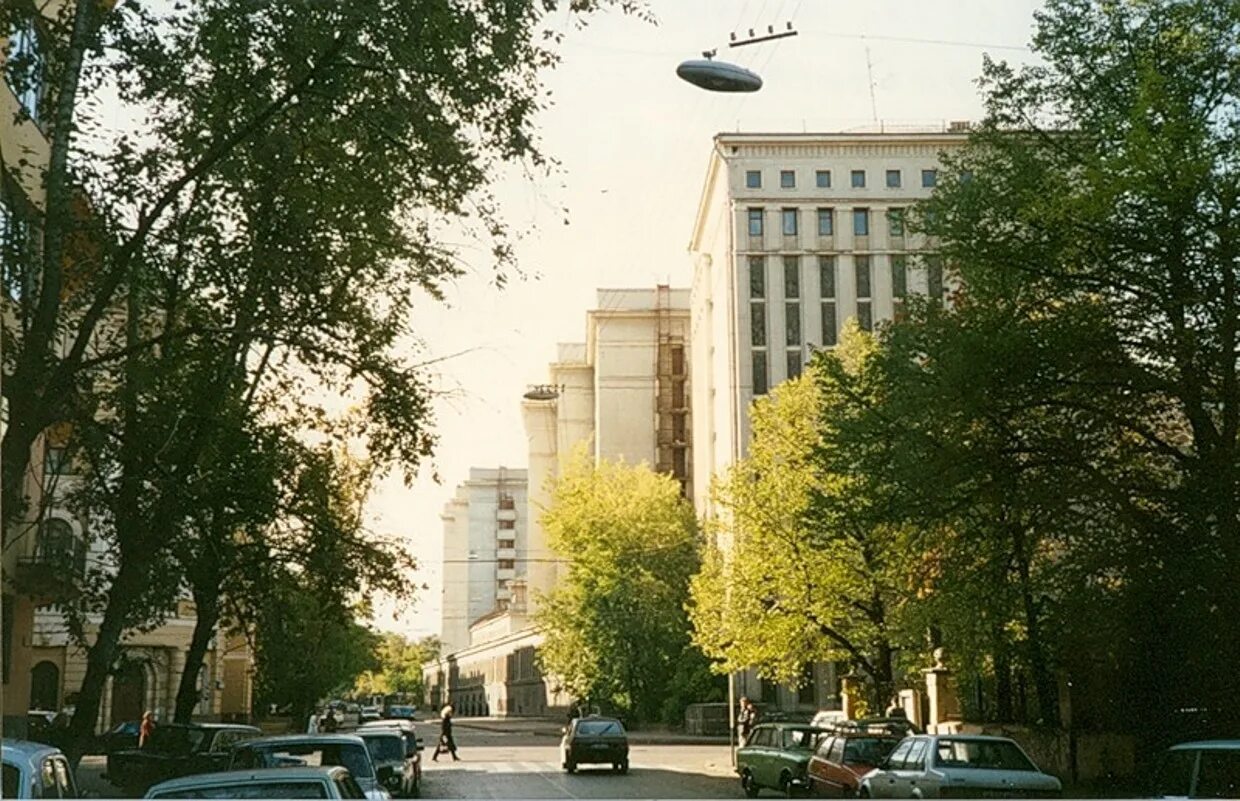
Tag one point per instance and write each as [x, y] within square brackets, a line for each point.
[550, 727]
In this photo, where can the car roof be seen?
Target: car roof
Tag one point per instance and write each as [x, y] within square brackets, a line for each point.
[1208, 745]
[207, 726]
[981, 738]
[378, 731]
[302, 739]
[27, 749]
[788, 724]
[264, 775]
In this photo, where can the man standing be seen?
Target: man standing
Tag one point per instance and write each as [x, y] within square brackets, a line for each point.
[746, 719]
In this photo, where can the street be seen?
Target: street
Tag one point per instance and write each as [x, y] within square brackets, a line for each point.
[525, 764]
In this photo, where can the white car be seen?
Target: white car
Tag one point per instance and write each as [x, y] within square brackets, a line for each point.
[35, 770]
[1204, 769]
[957, 766]
[332, 782]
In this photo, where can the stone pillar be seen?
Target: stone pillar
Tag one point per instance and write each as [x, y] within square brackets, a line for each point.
[850, 688]
[941, 691]
[176, 666]
[910, 702]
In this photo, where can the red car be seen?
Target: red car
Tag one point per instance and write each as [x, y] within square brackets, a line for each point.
[841, 759]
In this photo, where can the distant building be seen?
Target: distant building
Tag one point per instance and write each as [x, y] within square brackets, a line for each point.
[624, 395]
[794, 234]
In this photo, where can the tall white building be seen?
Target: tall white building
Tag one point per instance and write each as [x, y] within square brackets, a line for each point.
[794, 234]
[484, 533]
[623, 394]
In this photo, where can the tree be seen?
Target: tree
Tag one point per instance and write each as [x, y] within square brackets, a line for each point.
[1100, 196]
[258, 236]
[400, 666]
[803, 570]
[616, 631]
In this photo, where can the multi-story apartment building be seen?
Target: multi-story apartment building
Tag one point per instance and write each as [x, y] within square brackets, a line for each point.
[623, 394]
[48, 551]
[484, 527]
[794, 234]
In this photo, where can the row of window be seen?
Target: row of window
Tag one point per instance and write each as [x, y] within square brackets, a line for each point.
[24, 68]
[857, 179]
[827, 268]
[790, 221]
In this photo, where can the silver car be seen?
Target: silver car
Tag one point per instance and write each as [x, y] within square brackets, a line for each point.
[35, 770]
[958, 765]
[312, 751]
[333, 782]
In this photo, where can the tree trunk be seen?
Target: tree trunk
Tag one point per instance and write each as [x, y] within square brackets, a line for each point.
[1003, 680]
[208, 610]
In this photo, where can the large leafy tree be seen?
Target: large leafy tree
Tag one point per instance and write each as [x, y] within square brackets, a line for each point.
[615, 625]
[400, 666]
[803, 569]
[1101, 196]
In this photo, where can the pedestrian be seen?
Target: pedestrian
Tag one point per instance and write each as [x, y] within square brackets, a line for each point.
[312, 725]
[746, 719]
[146, 729]
[446, 745]
[329, 724]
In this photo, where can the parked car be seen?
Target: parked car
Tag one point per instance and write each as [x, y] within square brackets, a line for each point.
[413, 748]
[958, 765]
[370, 713]
[397, 765]
[1204, 769]
[828, 718]
[35, 770]
[841, 759]
[776, 756]
[176, 749]
[330, 782]
[312, 750]
[120, 737]
[595, 740]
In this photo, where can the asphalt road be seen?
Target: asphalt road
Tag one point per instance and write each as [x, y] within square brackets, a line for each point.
[523, 765]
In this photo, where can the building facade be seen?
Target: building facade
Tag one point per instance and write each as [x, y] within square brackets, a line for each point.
[794, 235]
[622, 394]
[485, 538]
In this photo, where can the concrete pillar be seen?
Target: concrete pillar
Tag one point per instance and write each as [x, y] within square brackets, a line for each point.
[910, 702]
[850, 694]
[176, 666]
[944, 699]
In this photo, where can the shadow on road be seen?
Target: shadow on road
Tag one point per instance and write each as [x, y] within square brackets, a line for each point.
[600, 782]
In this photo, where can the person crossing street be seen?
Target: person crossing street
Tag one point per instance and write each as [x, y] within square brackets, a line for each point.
[446, 745]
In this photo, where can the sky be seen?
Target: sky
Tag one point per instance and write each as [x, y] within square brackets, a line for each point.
[634, 141]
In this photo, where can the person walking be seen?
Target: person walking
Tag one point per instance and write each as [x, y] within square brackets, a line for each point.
[329, 725]
[746, 719]
[312, 725]
[146, 729]
[446, 745]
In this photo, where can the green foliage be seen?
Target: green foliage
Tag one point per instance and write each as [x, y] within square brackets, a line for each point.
[400, 666]
[615, 625]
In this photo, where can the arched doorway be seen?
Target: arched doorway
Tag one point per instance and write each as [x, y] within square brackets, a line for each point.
[128, 692]
[45, 686]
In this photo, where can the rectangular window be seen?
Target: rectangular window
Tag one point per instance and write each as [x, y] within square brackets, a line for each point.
[54, 462]
[680, 464]
[895, 222]
[865, 315]
[826, 276]
[753, 179]
[755, 222]
[678, 395]
[757, 276]
[506, 545]
[790, 222]
[794, 363]
[861, 267]
[792, 276]
[787, 179]
[757, 324]
[893, 179]
[506, 502]
[858, 179]
[507, 524]
[826, 222]
[899, 276]
[822, 179]
[678, 360]
[26, 49]
[678, 428]
[502, 584]
[506, 564]
[861, 222]
[792, 323]
[828, 324]
[759, 373]
[805, 692]
[934, 277]
[929, 178]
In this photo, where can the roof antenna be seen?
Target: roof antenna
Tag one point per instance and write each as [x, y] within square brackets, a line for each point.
[869, 68]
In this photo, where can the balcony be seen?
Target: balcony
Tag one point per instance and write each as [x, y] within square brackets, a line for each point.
[506, 553]
[52, 576]
[506, 514]
[505, 573]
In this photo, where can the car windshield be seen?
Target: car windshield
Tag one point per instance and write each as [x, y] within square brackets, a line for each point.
[867, 750]
[176, 739]
[1175, 774]
[1218, 774]
[306, 789]
[311, 754]
[984, 754]
[800, 739]
[385, 749]
[590, 728]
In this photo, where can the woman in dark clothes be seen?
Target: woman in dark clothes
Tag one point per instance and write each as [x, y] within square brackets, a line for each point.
[446, 744]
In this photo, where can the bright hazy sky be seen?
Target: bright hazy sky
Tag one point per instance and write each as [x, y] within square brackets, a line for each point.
[634, 141]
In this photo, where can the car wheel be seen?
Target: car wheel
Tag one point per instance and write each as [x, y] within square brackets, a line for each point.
[570, 767]
[622, 766]
[786, 785]
[750, 787]
[864, 792]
